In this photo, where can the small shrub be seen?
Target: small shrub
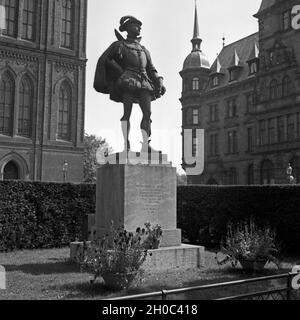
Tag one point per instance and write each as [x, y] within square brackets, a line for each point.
[120, 255]
[151, 236]
[249, 243]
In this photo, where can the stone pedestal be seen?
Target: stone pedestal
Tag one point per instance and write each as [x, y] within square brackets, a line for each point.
[132, 195]
[137, 189]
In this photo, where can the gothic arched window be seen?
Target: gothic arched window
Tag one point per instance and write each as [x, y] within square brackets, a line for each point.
[286, 83]
[10, 17]
[196, 85]
[274, 90]
[28, 19]
[7, 92]
[11, 171]
[25, 108]
[64, 112]
[267, 172]
[66, 40]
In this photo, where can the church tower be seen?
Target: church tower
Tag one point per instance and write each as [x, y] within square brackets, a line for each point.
[42, 89]
[195, 75]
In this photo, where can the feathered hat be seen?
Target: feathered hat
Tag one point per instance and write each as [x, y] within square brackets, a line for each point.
[125, 21]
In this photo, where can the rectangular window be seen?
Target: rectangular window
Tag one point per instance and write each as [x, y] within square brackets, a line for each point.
[290, 127]
[28, 20]
[215, 81]
[196, 84]
[250, 139]
[253, 68]
[214, 145]
[10, 18]
[232, 142]
[286, 20]
[262, 132]
[67, 24]
[213, 113]
[250, 103]
[231, 108]
[280, 129]
[195, 116]
[271, 131]
[231, 75]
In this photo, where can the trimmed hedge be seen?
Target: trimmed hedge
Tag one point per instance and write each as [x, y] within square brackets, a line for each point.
[42, 215]
[204, 211]
[48, 215]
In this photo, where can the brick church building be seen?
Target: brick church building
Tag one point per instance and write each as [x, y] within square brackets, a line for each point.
[42, 89]
[248, 102]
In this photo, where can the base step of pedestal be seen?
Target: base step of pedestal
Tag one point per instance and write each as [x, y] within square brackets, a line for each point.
[181, 257]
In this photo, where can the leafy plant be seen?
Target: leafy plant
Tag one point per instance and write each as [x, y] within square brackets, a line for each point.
[248, 242]
[120, 253]
[151, 236]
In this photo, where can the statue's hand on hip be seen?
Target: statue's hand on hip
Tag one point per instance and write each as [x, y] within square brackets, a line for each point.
[161, 89]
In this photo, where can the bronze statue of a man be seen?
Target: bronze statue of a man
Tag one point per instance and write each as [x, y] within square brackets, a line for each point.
[125, 71]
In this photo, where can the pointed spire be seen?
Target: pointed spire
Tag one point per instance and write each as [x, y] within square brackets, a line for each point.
[196, 41]
[224, 39]
[196, 23]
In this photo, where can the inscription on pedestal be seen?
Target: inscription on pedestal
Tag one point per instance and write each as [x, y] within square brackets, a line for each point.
[151, 197]
[133, 195]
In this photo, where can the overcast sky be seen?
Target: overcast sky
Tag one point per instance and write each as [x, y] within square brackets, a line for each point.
[167, 31]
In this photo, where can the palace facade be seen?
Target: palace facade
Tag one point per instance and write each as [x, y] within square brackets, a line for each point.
[248, 102]
[42, 89]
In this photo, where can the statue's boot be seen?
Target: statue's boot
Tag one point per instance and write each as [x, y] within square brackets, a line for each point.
[146, 148]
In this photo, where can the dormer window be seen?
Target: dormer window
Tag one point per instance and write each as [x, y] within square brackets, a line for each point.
[231, 75]
[196, 84]
[253, 67]
[215, 81]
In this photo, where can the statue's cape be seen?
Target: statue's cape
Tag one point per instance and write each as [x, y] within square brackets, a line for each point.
[101, 81]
